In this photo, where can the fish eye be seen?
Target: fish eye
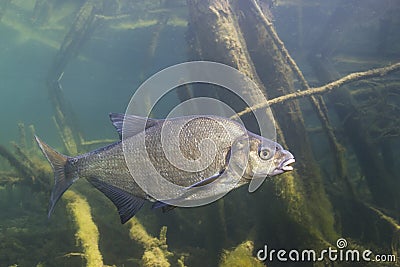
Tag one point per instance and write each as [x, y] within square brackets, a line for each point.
[265, 154]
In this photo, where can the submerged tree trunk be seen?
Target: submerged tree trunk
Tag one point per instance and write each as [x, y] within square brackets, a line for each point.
[225, 31]
[64, 117]
[214, 35]
[381, 183]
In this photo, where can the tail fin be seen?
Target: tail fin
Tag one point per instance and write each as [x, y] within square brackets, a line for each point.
[61, 181]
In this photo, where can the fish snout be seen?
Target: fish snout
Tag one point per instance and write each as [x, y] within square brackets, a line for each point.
[288, 159]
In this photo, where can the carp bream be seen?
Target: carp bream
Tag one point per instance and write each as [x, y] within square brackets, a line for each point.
[229, 147]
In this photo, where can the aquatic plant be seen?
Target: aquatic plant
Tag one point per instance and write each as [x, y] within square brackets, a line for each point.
[240, 256]
[156, 249]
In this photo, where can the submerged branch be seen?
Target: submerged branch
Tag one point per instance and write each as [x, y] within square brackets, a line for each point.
[95, 142]
[278, 42]
[392, 222]
[16, 163]
[156, 249]
[9, 178]
[356, 76]
[87, 232]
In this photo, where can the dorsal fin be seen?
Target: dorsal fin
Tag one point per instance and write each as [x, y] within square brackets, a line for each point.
[135, 123]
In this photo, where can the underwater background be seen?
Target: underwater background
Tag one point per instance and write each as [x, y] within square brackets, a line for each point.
[65, 65]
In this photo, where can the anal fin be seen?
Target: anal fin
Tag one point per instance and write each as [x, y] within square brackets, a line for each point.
[127, 204]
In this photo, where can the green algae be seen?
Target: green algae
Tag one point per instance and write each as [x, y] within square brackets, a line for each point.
[156, 249]
[87, 234]
[240, 256]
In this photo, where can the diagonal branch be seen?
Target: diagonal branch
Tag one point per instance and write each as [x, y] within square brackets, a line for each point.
[356, 76]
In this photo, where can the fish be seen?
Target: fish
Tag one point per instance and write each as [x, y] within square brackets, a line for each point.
[215, 155]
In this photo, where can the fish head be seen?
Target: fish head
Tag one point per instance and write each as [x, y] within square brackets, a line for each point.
[265, 158]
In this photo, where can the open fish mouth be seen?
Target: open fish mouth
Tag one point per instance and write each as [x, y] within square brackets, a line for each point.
[285, 166]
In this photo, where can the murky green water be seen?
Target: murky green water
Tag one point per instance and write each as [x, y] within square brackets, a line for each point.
[65, 65]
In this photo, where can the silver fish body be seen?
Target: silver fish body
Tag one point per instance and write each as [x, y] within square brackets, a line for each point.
[202, 154]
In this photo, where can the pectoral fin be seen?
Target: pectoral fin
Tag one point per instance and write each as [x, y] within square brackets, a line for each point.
[215, 176]
[127, 204]
[166, 207]
[207, 180]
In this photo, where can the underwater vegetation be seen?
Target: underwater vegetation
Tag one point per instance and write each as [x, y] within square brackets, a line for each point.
[333, 87]
[242, 255]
